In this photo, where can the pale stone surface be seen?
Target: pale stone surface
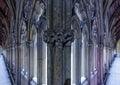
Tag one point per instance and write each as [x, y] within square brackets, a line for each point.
[4, 77]
[114, 77]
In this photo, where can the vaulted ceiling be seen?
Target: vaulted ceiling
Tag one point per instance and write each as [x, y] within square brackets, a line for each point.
[112, 11]
[7, 8]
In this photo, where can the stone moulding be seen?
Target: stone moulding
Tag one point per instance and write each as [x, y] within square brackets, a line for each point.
[59, 38]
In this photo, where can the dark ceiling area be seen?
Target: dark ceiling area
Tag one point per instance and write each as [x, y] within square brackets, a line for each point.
[5, 17]
[7, 12]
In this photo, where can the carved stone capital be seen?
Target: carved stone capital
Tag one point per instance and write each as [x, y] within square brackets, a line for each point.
[59, 38]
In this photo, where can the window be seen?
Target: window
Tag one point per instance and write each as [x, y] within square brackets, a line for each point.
[83, 57]
[35, 58]
[73, 66]
[78, 67]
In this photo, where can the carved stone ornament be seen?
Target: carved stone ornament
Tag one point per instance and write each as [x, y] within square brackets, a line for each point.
[59, 38]
[27, 8]
[80, 13]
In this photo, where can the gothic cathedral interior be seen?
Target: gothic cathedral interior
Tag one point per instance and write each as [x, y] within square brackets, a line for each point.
[59, 42]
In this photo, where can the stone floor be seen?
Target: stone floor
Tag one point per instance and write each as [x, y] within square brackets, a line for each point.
[4, 77]
[114, 77]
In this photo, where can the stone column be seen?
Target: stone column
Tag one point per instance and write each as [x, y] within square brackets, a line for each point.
[57, 44]
[58, 67]
[90, 60]
[19, 46]
[8, 57]
[30, 46]
[100, 64]
[17, 65]
[59, 36]
[67, 63]
[49, 64]
[78, 61]
[39, 59]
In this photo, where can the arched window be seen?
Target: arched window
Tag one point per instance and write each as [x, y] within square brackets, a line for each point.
[43, 55]
[23, 57]
[73, 65]
[79, 59]
[35, 58]
[93, 56]
[83, 58]
[40, 47]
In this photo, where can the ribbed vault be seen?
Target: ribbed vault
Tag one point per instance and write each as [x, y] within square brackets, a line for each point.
[112, 11]
[7, 8]
[5, 17]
